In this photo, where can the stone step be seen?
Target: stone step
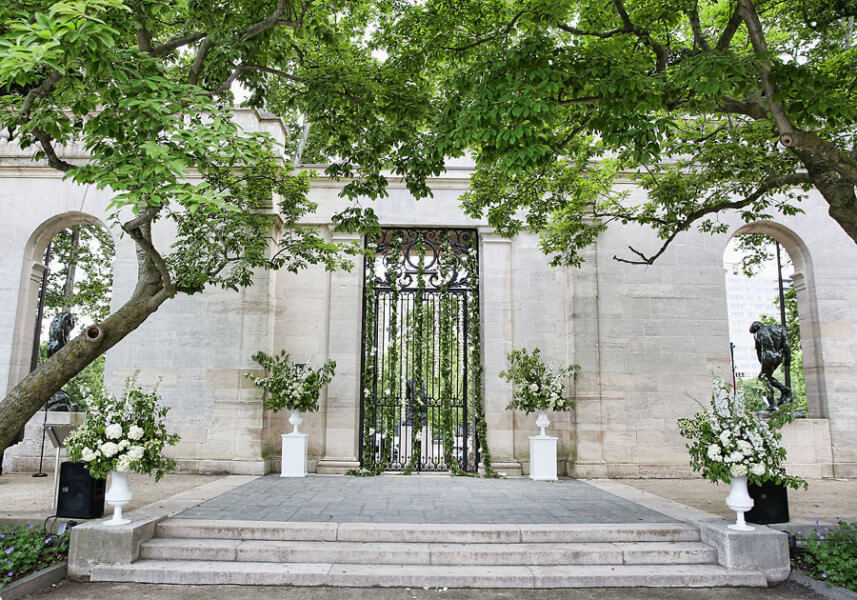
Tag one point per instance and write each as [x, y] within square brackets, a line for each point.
[385, 553]
[453, 576]
[428, 532]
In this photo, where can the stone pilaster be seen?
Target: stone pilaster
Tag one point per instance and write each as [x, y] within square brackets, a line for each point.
[495, 263]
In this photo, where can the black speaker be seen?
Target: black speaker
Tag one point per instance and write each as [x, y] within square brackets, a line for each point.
[770, 504]
[80, 495]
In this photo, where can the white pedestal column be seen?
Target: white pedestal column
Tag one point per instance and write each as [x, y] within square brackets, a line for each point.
[542, 457]
[294, 455]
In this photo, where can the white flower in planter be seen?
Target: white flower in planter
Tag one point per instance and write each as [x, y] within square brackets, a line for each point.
[135, 452]
[534, 387]
[745, 447]
[87, 454]
[735, 457]
[113, 431]
[124, 463]
[738, 470]
[714, 453]
[757, 469]
[109, 449]
[135, 432]
[725, 438]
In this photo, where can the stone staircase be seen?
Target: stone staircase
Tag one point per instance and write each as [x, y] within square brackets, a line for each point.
[186, 551]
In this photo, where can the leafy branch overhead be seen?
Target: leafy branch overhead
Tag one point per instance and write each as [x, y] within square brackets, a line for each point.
[717, 105]
[146, 88]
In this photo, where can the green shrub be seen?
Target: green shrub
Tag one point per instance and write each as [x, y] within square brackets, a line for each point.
[27, 549]
[830, 554]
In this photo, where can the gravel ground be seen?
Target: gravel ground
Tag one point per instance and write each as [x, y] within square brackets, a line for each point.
[25, 496]
[825, 498]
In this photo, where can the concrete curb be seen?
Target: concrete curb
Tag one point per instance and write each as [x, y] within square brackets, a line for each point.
[764, 549]
[828, 591]
[95, 543]
[35, 582]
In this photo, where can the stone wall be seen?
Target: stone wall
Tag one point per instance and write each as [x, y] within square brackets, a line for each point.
[647, 338]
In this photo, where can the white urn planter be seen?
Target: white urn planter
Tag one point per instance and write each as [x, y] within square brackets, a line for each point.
[118, 496]
[294, 449]
[542, 451]
[740, 501]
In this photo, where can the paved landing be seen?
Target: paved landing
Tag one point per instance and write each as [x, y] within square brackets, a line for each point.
[427, 499]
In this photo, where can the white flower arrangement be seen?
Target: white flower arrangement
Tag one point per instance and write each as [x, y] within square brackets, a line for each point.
[731, 441]
[289, 385]
[123, 434]
[538, 385]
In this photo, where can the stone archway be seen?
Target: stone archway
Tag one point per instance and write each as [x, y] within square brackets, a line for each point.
[33, 269]
[803, 281]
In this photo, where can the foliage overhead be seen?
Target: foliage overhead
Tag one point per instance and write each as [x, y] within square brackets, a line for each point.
[710, 105]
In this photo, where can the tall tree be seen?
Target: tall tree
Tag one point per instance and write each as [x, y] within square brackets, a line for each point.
[146, 87]
[716, 105]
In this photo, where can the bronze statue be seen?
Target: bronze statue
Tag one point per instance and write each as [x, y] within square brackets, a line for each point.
[59, 333]
[773, 350]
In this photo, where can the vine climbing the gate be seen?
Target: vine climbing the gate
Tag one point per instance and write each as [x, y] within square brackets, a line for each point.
[417, 331]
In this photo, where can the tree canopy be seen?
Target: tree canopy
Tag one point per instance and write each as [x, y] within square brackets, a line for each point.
[711, 105]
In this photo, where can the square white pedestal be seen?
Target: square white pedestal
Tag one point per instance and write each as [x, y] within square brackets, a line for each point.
[294, 455]
[542, 457]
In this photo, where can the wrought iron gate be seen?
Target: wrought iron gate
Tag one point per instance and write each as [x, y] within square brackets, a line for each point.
[414, 407]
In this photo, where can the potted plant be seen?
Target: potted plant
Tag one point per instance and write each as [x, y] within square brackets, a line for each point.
[120, 435]
[730, 443]
[296, 387]
[539, 387]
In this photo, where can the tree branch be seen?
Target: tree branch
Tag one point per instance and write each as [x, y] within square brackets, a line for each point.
[488, 38]
[698, 36]
[53, 159]
[692, 217]
[196, 67]
[176, 42]
[276, 18]
[729, 32]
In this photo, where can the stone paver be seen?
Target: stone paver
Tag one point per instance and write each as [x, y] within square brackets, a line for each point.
[428, 499]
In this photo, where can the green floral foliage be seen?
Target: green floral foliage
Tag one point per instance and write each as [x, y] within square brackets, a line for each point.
[538, 385]
[27, 549]
[710, 106]
[128, 433]
[831, 554]
[289, 385]
[732, 441]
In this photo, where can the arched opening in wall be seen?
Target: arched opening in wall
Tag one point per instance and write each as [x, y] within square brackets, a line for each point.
[66, 285]
[769, 280]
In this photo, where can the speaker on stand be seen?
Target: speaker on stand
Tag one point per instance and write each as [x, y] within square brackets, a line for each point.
[80, 495]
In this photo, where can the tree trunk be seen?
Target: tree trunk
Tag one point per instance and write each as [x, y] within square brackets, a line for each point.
[31, 393]
[836, 189]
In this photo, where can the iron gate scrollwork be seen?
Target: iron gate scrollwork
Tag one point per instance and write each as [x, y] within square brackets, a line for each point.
[419, 287]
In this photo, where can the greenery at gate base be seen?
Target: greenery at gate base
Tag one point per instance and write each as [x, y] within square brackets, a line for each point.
[291, 386]
[370, 351]
[732, 441]
[830, 555]
[128, 433]
[24, 550]
[538, 385]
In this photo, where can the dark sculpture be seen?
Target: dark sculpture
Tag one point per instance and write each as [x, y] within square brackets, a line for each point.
[773, 350]
[59, 333]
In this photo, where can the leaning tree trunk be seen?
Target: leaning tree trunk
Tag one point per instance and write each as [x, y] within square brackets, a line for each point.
[31, 393]
[153, 288]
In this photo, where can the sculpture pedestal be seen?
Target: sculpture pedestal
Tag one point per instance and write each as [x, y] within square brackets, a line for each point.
[542, 457]
[294, 455]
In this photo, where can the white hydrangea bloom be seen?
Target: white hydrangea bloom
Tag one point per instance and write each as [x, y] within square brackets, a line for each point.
[123, 464]
[87, 454]
[124, 444]
[725, 437]
[534, 387]
[113, 431]
[135, 432]
[135, 452]
[109, 449]
[738, 470]
[735, 457]
[757, 469]
[714, 452]
[745, 447]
